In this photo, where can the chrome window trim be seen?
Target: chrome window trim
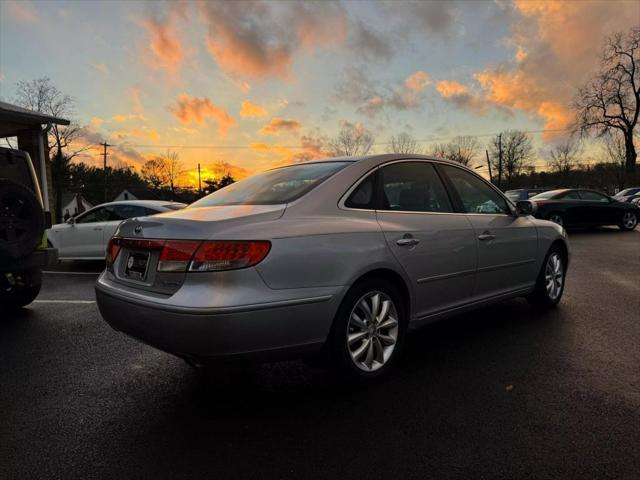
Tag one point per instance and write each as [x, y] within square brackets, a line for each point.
[345, 196]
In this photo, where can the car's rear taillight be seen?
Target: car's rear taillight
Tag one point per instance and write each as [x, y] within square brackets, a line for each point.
[113, 248]
[194, 255]
[175, 255]
[218, 255]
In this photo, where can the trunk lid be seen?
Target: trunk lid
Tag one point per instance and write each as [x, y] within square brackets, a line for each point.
[135, 268]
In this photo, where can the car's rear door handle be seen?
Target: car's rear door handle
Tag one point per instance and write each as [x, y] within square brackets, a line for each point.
[407, 242]
[485, 236]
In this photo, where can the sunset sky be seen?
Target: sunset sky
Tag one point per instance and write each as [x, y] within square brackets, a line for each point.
[263, 81]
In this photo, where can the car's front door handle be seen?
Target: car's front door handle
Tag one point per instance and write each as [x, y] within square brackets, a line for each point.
[97, 228]
[407, 242]
[485, 236]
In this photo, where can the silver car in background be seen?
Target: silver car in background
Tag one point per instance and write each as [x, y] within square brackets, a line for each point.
[341, 257]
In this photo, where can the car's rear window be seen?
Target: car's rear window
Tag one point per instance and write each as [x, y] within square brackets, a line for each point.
[280, 185]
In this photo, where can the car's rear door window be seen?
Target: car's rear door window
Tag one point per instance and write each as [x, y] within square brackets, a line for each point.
[476, 195]
[412, 187]
[593, 196]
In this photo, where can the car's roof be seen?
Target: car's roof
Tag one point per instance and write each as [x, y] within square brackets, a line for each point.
[142, 203]
[377, 156]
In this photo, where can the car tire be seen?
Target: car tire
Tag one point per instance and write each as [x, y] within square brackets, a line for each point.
[556, 217]
[368, 331]
[21, 220]
[629, 221]
[550, 282]
[21, 290]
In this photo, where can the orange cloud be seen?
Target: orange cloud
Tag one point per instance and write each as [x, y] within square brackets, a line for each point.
[250, 41]
[279, 125]
[22, 11]
[164, 48]
[449, 89]
[144, 132]
[312, 146]
[119, 118]
[251, 110]
[417, 81]
[97, 121]
[461, 96]
[557, 45]
[193, 110]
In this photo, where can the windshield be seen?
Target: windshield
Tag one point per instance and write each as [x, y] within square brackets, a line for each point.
[546, 195]
[280, 185]
[627, 191]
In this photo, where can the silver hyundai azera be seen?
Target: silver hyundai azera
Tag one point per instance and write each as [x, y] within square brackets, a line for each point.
[339, 257]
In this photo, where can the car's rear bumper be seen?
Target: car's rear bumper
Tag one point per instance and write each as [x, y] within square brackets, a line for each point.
[283, 328]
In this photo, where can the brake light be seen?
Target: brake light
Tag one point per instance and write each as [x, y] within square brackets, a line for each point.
[113, 248]
[175, 255]
[219, 255]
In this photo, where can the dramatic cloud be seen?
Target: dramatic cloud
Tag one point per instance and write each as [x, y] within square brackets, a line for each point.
[256, 38]
[313, 145]
[280, 125]
[21, 11]
[251, 110]
[193, 110]
[370, 98]
[164, 47]
[369, 42]
[435, 18]
[460, 96]
[137, 132]
[556, 47]
[97, 121]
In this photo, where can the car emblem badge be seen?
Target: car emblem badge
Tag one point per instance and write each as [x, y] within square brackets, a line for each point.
[137, 230]
[130, 262]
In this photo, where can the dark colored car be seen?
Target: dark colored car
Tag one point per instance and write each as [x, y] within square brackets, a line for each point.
[585, 208]
[628, 194]
[523, 193]
[23, 250]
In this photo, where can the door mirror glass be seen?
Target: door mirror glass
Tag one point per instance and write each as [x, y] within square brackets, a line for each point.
[526, 207]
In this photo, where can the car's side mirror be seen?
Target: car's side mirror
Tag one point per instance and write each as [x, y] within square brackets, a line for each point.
[71, 220]
[526, 207]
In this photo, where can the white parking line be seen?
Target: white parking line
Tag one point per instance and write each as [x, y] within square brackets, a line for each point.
[71, 273]
[64, 301]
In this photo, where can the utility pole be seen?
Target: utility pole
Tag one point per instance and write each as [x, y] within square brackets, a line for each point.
[104, 163]
[486, 152]
[199, 183]
[500, 160]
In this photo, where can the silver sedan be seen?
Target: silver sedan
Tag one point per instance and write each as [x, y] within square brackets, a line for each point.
[339, 257]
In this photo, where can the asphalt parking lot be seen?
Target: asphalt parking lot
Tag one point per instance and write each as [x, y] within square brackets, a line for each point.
[500, 393]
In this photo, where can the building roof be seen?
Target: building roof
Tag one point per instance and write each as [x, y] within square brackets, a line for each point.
[14, 119]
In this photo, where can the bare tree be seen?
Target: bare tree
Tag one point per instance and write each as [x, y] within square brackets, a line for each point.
[611, 100]
[42, 96]
[173, 168]
[404, 143]
[564, 156]
[511, 154]
[154, 172]
[462, 149]
[615, 152]
[351, 141]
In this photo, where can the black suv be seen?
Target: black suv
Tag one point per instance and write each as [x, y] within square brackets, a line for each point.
[23, 244]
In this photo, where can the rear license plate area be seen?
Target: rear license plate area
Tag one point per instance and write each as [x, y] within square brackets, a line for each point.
[137, 266]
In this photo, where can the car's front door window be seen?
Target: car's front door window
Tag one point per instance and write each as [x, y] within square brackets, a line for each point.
[475, 194]
[96, 215]
[413, 187]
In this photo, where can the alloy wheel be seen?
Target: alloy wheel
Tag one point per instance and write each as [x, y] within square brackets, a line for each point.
[554, 276]
[372, 331]
[629, 220]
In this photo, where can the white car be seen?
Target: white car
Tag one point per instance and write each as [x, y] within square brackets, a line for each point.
[85, 236]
